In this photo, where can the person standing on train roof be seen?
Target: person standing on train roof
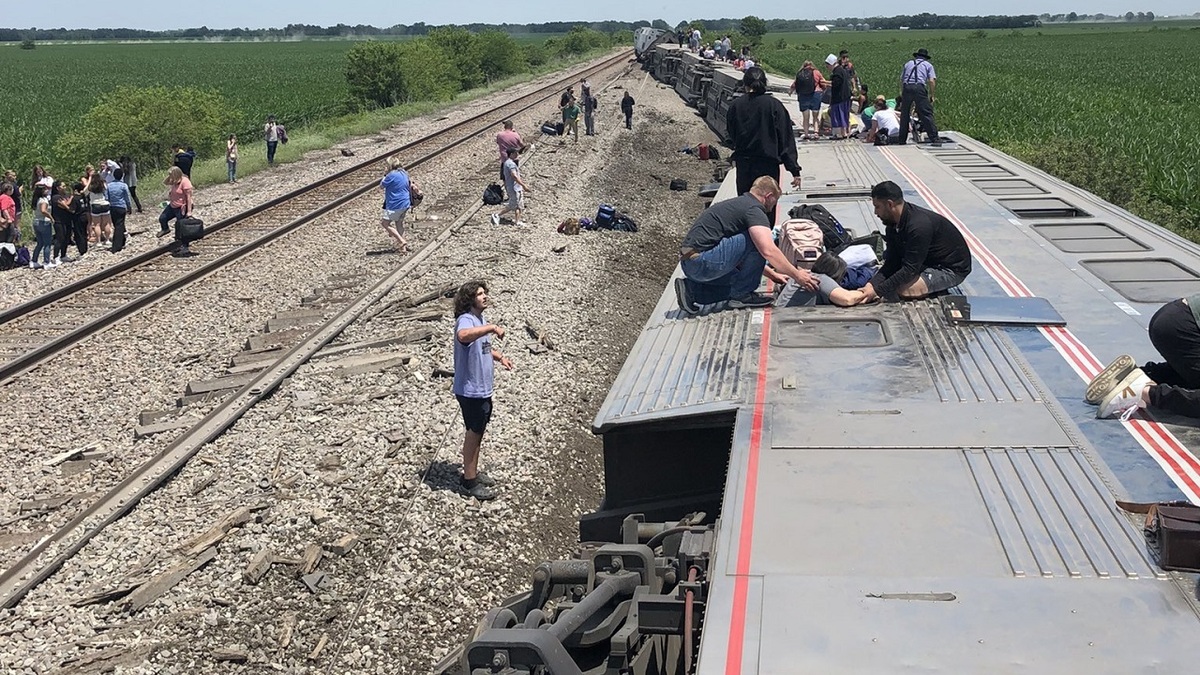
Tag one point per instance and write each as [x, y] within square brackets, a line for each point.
[474, 372]
[925, 254]
[725, 253]
[839, 99]
[761, 131]
[1172, 385]
[918, 80]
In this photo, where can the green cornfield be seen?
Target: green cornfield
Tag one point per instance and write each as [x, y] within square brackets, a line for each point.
[51, 87]
[1110, 110]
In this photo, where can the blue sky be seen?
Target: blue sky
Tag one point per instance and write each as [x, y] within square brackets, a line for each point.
[157, 15]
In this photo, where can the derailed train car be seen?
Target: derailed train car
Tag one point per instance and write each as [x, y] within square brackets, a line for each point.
[896, 487]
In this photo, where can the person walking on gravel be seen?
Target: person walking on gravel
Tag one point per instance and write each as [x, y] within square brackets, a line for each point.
[397, 200]
[508, 140]
[179, 200]
[627, 108]
[516, 188]
[474, 371]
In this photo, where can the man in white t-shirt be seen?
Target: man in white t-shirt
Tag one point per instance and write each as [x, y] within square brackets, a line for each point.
[885, 123]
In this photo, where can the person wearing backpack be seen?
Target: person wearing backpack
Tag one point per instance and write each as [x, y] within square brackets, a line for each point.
[807, 87]
[515, 185]
[725, 253]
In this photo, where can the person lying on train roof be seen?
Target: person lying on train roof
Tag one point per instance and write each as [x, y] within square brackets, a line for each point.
[1173, 385]
[726, 251]
[925, 254]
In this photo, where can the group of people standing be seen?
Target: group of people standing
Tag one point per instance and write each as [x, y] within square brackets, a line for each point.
[585, 105]
[91, 210]
[845, 94]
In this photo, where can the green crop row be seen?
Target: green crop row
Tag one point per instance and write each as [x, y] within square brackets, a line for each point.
[1110, 110]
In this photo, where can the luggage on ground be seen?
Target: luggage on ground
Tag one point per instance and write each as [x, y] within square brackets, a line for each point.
[678, 184]
[605, 216]
[189, 229]
[493, 194]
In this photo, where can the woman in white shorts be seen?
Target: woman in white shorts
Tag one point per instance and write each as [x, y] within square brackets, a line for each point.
[100, 223]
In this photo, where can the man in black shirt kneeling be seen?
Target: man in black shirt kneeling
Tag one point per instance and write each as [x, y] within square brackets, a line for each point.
[925, 255]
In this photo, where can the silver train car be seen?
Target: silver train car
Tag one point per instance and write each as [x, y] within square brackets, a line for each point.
[892, 488]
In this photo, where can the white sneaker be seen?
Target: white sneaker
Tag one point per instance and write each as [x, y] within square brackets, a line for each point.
[49, 265]
[33, 265]
[495, 218]
[1126, 398]
[521, 223]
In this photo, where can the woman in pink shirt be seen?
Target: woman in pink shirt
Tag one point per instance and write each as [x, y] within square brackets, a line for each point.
[179, 200]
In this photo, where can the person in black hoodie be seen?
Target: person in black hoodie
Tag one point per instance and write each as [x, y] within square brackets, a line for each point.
[761, 131]
[184, 159]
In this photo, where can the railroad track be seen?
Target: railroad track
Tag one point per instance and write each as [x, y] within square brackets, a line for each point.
[55, 549]
[38, 329]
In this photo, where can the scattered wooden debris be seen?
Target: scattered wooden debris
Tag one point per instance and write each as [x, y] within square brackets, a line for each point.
[285, 632]
[560, 249]
[109, 593]
[217, 532]
[230, 655]
[160, 584]
[220, 383]
[539, 335]
[319, 517]
[344, 544]
[310, 559]
[259, 565]
[418, 335]
[443, 372]
[201, 484]
[312, 656]
[148, 430]
[445, 291]
[329, 462]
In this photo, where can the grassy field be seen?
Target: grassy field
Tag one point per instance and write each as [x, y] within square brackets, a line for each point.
[297, 81]
[1106, 108]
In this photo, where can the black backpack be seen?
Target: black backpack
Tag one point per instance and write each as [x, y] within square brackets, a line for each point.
[8, 259]
[806, 84]
[835, 236]
[493, 194]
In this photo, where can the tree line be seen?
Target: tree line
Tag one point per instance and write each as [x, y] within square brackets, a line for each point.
[420, 29]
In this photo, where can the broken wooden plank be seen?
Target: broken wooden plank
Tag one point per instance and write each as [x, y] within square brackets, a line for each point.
[67, 456]
[148, 417]
[160, 427]
[202, 484]
[312, 656]
[310, 559]
[409, 337]
[373, 367]
[188, 399]
[539, 335]
[230, 655]
[277, 325]
[219, 384]
[283, 338]
[285, 632]
[259, 565]
[251, 355]
[417, 314]
[217, 532]
[160, 584]
[445, 291]
[46, 504]
[109, 593]
[251, 367]
[344, 544]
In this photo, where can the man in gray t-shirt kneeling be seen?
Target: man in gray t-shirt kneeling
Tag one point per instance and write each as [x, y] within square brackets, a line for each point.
[474, 359]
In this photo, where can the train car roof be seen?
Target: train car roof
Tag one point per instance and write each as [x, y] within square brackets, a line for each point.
[905, 492]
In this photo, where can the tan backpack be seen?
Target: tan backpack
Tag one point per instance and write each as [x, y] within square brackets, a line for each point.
[801, 242]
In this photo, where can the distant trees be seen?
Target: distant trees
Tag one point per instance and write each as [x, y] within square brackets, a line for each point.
[752, 29]
[452, 59]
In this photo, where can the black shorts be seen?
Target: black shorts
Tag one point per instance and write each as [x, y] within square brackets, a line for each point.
[476, 412]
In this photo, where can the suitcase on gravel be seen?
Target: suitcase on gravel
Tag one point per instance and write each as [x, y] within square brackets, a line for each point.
[189, 229]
